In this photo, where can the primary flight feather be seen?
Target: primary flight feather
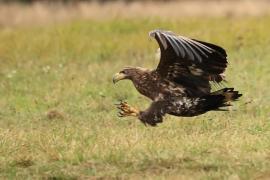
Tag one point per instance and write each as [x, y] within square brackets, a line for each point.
[180, 85]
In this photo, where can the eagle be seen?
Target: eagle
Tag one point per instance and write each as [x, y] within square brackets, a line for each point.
[181, 83]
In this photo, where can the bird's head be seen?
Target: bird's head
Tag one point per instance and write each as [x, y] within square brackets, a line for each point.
[129, 73]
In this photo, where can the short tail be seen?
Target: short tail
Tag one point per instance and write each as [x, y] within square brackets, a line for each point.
[220, 98]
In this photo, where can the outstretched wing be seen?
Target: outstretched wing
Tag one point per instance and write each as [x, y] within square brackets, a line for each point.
[189, 62]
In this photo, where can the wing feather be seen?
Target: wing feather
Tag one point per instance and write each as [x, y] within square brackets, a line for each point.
[199, 48]
[185, 50]
[193, 53]
[189, 60]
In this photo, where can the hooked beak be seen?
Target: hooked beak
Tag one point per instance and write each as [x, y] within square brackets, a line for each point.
[118, 76]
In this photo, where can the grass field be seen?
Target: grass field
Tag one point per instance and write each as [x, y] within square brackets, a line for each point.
[57, 114]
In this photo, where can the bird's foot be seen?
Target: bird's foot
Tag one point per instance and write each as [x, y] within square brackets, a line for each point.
[126, 110]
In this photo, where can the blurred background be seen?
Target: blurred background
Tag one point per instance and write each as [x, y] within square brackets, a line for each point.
[14, 12]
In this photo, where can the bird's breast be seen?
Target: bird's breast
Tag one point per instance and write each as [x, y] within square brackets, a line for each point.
[148, 87]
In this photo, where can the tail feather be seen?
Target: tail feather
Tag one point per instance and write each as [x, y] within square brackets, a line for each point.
[228, 93]
[220, 98]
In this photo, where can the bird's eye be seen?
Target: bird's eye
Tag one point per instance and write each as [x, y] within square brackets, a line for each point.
[123, 71]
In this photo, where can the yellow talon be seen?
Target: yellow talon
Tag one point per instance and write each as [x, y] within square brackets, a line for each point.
[126, 110]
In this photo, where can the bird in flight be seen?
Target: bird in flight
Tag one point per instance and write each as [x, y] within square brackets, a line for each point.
[180, 85]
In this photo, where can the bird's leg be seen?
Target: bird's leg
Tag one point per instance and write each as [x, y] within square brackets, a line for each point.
[126, 110]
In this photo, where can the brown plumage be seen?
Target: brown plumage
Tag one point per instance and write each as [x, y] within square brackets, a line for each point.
[180, 85]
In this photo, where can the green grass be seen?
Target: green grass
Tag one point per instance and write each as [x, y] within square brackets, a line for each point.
[57, 114]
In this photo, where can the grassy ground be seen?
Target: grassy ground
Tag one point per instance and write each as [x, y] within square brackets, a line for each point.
[57, 118]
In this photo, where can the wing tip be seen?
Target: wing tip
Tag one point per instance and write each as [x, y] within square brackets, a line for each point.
[154, 32]
[160, 31]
